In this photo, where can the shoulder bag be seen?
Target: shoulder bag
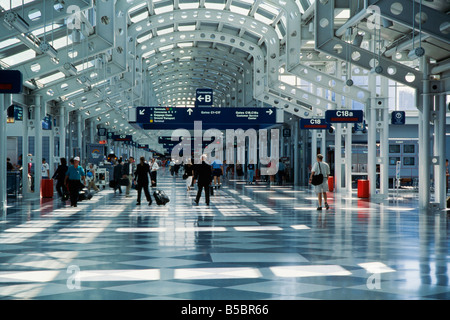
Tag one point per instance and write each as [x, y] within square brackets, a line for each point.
[317, 179]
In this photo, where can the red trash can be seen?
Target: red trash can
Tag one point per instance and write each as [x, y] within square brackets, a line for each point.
[363, 188]
[47, 188]
[331, 183]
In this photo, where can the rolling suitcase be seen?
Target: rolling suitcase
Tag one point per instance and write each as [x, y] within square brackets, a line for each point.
[160, 197]
[84, 194]
[47, 188]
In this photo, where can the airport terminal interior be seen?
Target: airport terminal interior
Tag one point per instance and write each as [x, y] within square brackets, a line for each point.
[133, 94]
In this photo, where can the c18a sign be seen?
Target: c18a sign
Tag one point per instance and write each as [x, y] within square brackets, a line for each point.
[344, 116]
[314, 124]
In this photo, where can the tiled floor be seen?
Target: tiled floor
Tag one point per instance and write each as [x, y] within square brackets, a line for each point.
[253, 242]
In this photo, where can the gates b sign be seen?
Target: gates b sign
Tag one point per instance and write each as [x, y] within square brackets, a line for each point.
[204, 97]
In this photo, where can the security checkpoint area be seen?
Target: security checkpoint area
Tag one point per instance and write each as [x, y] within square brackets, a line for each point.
[265, 93]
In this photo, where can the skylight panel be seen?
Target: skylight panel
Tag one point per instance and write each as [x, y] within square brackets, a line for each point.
[219, 5]
[240, 8]
[163, 9]
[139, 17]
[144, 38]
[186, 27]
[264, 16]
[273, 10]
[18, 58]
[6, 4]
[164, 31]
[188, 4]
[9, 42]
[137, 7]
[52, 78]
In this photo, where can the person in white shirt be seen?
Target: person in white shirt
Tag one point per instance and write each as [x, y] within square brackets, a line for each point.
[321, 167]
[45, 169]
[153, 170]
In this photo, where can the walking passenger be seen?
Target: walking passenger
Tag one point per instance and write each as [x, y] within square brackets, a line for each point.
[217, 167]
[189, 172]
[250, 173]
[117, 176]
[153, 171]
[74, 175]
[321, 167]
[60, 176]
[203, 176]
[91, 178]
[141, 176]
[127, 173]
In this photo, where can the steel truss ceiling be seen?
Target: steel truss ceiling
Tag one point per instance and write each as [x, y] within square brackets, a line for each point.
[144, 52]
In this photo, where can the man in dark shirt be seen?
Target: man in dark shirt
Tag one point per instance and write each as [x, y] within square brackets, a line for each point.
[203, 173]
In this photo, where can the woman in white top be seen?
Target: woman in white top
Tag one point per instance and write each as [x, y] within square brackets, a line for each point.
[153, 169]
[321, 167]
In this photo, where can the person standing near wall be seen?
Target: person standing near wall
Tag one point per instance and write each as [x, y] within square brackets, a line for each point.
[321, 167]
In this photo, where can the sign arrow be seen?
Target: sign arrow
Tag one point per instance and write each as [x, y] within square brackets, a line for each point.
[141, 112]
[269, 111]
[190, 111]
[200, 98]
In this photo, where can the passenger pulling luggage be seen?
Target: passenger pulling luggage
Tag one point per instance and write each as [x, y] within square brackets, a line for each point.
[84, 194]
[160, 197]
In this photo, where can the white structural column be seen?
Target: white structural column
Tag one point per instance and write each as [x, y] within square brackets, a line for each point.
[37, 146]
[296, 162]
[91, 130]
[424, 140]
[51, 155]
[79, 119]
[62, 132]
[372, 133]
[384, 139]
[348, 151]
[440, 150]
[338, 140]
[5, 102]
[25, 186]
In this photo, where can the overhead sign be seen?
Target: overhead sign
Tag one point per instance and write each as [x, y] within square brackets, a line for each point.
[174, 118]
[109, 135]
[204, 97]
[398, 117]
[344, 116]
[47, 123]
[10, 81]
[314, 124]
[122, 137]
[101, 132]
[286, 133]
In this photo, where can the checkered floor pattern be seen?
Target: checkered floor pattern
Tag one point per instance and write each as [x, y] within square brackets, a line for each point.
[254, 242]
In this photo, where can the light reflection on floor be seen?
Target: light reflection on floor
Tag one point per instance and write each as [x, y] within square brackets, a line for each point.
[247, 244]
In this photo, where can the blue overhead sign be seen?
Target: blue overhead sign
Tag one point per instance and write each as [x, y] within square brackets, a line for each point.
[122, 137]
[204, 97]
[314, 124]
[344, 116]
[174, 118]
[398, 118]
[10, 81]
